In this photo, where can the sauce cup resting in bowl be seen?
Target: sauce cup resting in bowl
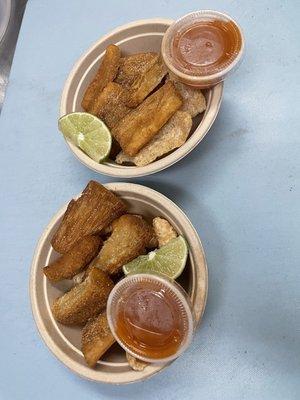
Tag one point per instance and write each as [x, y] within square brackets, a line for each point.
[138, 36]
[151, 317]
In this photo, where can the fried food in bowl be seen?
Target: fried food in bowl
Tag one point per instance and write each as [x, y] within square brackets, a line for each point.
[122, 102]
[70, 313]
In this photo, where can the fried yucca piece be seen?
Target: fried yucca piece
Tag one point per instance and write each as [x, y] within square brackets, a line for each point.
[110, 104]
[72, 262]
[130, 236]
[146, 83]
[171, 136]
[85, 300]
[138, 127]
[164, 231]
[132, 67]
[96, 339]
[96, 208]
[193, 100]
[153, 242]
[106, 73]
[135, 364]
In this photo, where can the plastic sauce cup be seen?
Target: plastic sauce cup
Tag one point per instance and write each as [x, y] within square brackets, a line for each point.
[202, 48]
[150, 317]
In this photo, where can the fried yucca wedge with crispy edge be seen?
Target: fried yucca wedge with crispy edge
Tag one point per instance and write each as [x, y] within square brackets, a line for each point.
[85, 300]
[171, 136]
[146, 83]
[106, 73]
[133, 66]
[110, 104]
[93, 211]
[96, 339]
[130, 236]
[138, 127]
[74, 261]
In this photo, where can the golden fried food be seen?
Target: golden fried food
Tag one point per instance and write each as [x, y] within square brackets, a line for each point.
[171, 136]
[106, 73]
[138, 127]
[96, 339]
[85, 300]
[193, 100]
[110, 105]
[153, 242]
[146, 83]
[164, 231]
[130, 236]
[132, 67]
[72, 262]
[135, 364]
[95, 209]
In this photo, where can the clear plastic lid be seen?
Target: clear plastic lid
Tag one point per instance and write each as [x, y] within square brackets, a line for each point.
[203, 47]
[150, 317]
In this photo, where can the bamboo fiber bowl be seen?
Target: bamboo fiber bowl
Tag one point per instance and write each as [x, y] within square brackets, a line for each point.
[63, 341]
[138, 36]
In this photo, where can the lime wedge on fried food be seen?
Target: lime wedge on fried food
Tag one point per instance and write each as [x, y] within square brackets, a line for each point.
[169, 260]
[88, 133]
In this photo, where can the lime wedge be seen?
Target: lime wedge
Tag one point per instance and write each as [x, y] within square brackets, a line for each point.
[169, 260]
[88, 133]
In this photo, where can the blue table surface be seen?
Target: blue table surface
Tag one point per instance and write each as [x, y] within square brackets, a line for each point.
[240, 187]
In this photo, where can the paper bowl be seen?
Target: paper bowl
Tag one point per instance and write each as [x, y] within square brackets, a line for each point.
[64, 342]
[138, 36]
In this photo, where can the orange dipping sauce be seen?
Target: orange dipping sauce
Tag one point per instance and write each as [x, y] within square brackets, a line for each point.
[201, 48]
[207, 47]
[149, 321]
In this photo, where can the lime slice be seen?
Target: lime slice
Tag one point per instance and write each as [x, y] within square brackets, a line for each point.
[169, 260]
[88, 133]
